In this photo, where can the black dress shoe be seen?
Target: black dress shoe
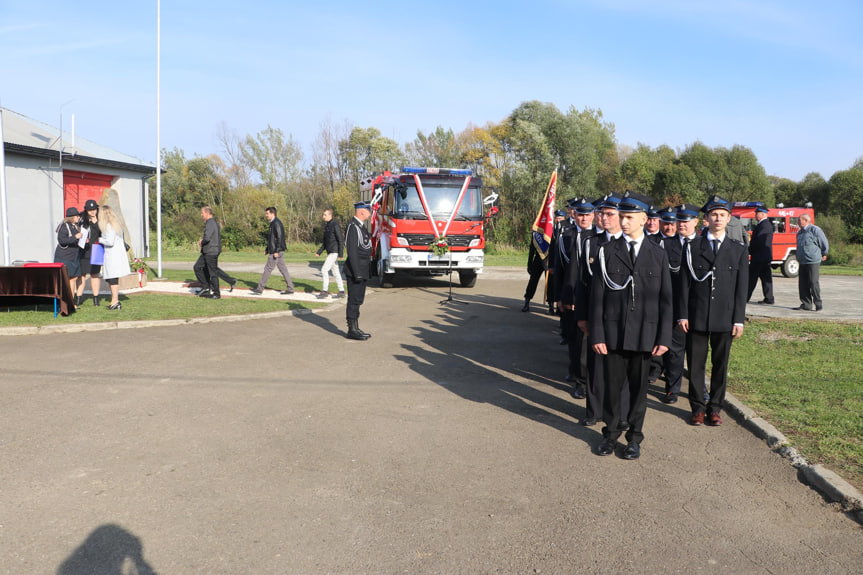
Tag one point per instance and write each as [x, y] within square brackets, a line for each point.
[255, 291]
[669, 398]
[623, 424]
[213, 296]
[632, 451]
[768, 301]
[819, 307]
[286, 292]
[526, 306]
[579, 392]
[563, 341]
[204, 293]
[231, 286]
[606, 447]
[588, 422]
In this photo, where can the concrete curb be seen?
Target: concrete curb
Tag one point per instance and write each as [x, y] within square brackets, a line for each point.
[827, 483]
[102, 326]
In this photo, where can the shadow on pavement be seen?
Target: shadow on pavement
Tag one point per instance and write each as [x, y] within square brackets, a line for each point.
[108, 550]
[487, 362]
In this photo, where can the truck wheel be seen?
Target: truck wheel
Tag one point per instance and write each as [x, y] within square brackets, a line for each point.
[467, 279]
[791, 267]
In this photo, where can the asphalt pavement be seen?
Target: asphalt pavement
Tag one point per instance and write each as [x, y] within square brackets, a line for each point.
[447, 443]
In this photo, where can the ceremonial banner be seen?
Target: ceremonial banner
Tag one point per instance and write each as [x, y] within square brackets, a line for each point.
[543, 227]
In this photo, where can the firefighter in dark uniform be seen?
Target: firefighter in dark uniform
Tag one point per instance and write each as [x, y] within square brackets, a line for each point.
[712, 308]
[630, 320]
[761, 256]
[608, 219]
[562, 248]
[581, 230]
[560, 220]
[675, 245]
[358, 244]
[654, 225]
[537, 266]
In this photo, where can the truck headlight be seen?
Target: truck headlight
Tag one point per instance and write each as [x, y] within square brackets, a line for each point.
[473, 243]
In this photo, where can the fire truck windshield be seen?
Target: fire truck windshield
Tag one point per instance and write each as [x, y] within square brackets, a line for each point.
[441, 201]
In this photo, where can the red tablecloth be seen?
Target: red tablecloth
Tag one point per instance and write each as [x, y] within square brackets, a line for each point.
[40, 280]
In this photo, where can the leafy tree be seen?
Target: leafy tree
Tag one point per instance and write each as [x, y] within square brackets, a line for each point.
[273, 158]
[813, 188]
[846, 193]
[367, 152]
[437, 149]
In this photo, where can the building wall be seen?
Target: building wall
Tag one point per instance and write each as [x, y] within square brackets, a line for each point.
[34, 189]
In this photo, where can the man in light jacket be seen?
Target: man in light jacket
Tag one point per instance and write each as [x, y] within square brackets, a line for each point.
[812, 248]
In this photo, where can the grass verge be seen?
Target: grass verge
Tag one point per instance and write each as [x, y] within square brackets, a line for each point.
[158, 306]
[804, 377]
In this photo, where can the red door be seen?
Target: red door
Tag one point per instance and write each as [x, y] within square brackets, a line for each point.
[78, 187]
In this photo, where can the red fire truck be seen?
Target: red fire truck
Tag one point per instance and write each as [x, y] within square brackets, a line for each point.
[785, 227]
[428, 221]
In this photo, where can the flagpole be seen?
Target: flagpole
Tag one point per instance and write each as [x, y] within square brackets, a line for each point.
[158, 143]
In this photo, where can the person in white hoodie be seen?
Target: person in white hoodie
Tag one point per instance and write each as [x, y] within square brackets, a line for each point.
[116, 263]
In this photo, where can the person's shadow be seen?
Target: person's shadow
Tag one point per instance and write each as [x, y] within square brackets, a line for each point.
[108, 550]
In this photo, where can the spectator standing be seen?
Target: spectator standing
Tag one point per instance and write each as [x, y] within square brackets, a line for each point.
[761, 256]
[275, 255]
[812, 249]
[358, 245]
[66, 251]
[207, 266]
[90, 228]
[116, 259]
[333, 245]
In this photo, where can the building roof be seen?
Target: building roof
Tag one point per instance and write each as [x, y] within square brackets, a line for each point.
[24, 135]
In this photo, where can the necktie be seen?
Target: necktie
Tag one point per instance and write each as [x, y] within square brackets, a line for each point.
[715, 246]
[632, 251]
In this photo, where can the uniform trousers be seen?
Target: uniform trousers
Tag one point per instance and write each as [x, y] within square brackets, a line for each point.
[625, 370]
[577, 351]
[207, 272]
[696, 357]
[809, 285]
[596, 387]
[356, 297]
[532, 283]
[672, 361]
[764, 272]
[271, 264]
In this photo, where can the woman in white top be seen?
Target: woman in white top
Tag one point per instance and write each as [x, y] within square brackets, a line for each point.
[116, 263]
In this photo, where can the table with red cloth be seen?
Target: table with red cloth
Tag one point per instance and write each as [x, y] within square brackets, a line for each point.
[39, 280]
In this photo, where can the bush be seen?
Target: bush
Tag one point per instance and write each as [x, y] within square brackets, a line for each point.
[834, 229]
[840, 254]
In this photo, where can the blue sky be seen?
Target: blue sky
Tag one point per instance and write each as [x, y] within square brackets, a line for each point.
[783, 77]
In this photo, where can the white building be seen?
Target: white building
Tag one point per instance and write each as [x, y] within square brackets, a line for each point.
[41, 182]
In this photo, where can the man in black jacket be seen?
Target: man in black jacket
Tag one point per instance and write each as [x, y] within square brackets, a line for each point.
[333, 242]
[761, 256]
[712, 308]
[206, 268]
[275, 255]
[358, 244]
[630, 320]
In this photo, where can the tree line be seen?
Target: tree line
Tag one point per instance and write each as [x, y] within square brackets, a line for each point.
[515, 157]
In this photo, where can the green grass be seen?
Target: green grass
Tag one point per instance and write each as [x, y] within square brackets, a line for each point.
[804, 377]
[844, 270]
[157, 306]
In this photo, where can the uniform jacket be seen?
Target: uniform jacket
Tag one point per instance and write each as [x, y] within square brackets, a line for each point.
[116, 263]
[535, 263]
[639, 316]
[333, 241]
[811, 245]
[761, 244]
[211, 243]
[562, 248]
[358, 244]
[570, 279]
[673, 247]
[589, 250]
[276, 237]
[718, 302]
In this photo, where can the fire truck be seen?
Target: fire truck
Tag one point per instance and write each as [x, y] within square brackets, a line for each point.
[785, 227]
[427, 221]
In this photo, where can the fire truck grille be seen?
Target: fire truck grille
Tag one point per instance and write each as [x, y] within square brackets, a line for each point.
[423, 240]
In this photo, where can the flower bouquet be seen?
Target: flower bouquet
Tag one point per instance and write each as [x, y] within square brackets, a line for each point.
[440, 246]
[140, 267]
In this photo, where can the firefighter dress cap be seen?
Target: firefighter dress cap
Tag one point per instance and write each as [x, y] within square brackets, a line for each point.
[583, 206]
[610, 201]
[363, 206]
[570, 203]
[687, 212]
[633, 202]
[91, 205]
[762, 209]
[560, 214]
[668, 215]
[652, 213]
[716, 203]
